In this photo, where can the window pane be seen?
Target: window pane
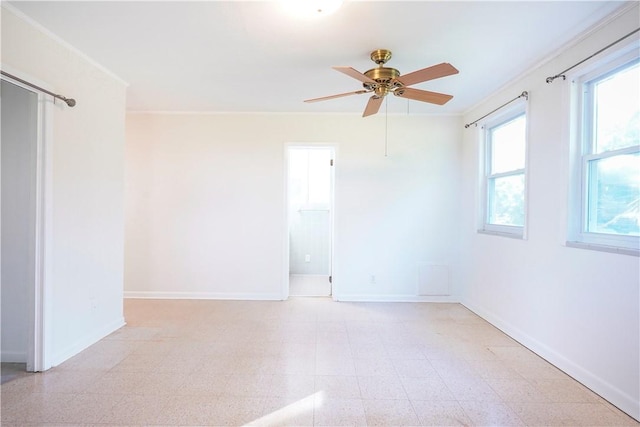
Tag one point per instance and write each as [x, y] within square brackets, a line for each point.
[298, 177]
[508, 146]
[507, 200]
[319, 176]
[614, 195]
[309, 177]
[617, 110]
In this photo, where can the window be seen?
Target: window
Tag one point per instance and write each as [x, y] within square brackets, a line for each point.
[504, 209]
[607, 211]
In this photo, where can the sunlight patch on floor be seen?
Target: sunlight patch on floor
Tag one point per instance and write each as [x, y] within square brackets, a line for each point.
[291, 411]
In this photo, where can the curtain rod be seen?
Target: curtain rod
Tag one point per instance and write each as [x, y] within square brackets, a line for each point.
[69, 101]
[561, 73]
[524, 94]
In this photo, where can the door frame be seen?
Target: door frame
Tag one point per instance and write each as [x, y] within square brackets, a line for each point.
[39, 293]
[332, 204]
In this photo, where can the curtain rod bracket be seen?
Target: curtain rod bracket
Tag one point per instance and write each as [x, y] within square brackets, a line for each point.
[551, 79]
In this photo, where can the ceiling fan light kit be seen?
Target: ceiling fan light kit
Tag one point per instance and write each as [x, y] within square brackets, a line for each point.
[384, 80]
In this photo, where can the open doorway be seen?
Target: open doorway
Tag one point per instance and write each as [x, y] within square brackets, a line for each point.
[22, 229]
[310, 219]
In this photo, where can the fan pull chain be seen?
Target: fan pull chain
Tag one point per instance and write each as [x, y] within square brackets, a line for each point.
[386, 125]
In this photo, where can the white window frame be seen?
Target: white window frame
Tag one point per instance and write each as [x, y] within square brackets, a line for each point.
[517, 109]
[581, 154]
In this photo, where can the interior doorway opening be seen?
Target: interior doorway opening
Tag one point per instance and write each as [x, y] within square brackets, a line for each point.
[25, 170]
[310, 219]
[18, 153]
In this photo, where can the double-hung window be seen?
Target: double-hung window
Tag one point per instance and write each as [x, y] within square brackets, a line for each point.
[504, 195]
[606, 213]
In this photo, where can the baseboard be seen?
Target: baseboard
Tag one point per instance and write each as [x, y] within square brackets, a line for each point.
[394, 298]
[13, 356]
[86, 341]
[202, 295]
[606, 390]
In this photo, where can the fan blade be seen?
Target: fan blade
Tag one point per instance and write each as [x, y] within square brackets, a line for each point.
[340, 95]
[354, 73]
[372, 106]
[429, 73]
[423, 95]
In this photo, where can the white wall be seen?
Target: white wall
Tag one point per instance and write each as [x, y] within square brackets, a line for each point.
[205, 202]
[19, 144]
[309, 234]
[85, 269]
[577, 308]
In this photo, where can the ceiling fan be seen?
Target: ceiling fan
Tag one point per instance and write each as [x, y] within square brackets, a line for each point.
[384, 80]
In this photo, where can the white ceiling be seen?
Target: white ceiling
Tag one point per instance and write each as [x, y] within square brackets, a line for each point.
[251, 56]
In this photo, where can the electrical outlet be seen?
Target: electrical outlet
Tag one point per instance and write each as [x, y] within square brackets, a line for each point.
[307, 258]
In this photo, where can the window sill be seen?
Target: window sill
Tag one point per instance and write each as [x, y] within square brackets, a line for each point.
[518, 236]
[604, 248]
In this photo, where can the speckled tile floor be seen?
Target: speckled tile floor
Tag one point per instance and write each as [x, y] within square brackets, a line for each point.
[303, 362]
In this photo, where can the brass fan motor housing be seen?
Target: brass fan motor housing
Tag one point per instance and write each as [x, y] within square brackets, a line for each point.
[382, 74]
[384, 77]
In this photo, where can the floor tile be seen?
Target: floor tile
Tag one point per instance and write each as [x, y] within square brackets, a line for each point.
[536, 369]
[248, 385]
[136, 409]
[114, 382]
[565, 391]
[415, 368]
[454, 368]
[426, 388]
[390, 413]
[187, 410]
[495, 369]
[542, 414]
[405, 352]
[381, 388]
[162, 383]
[204, 384]
[471, 389]
[37, 408]
[338, 386]
[517, 390]
[374, 367]
[490, 414]
[590, 414]
[280, 411]
[84, 409]
[291, 386]
[303, 362]
[440, 413]
[335, 365]
[339, 412]
[367, 350]
[294, 364]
